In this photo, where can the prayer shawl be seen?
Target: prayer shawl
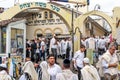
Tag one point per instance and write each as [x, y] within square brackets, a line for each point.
[111, 59]
[66, 75]
[25, 76]
[29, 68]
[39, 72]
[45, 75]
[99, 66]
[89, 72]
[5, 76]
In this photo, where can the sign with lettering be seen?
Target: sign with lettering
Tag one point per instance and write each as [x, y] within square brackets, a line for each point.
[38, 4]
[37, 19]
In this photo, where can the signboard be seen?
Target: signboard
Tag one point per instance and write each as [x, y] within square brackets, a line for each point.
[39, 21]
[38, 4]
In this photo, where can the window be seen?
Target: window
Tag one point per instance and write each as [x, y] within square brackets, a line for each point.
[17, 41]
[50, 14]
[39, 35]
[3, 40]
[46, 14]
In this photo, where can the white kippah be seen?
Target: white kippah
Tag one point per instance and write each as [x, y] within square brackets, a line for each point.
[86, 60]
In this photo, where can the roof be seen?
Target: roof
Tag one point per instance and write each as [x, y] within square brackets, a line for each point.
[96, 24]
[6, 22]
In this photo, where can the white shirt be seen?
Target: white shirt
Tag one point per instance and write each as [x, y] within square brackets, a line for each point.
[52, 43]
[90, 43]
[53, 70]
[78, 57]
[63, 47]
[4, 75]
[107, 59]
[66, 75]
[102, 44]
[22, 77]
[42, 44]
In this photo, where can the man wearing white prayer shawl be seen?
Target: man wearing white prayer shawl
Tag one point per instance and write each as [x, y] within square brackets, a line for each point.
[110, 63]
[66, 74]
[3, 73]
[29, 69]
[89, 72]
[44, 66]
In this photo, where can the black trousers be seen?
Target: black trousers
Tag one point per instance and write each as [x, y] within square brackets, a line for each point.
[79, 73]
[54, 52]
[101, 51]
[67, 53]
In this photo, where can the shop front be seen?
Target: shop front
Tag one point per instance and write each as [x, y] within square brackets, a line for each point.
[13, 40]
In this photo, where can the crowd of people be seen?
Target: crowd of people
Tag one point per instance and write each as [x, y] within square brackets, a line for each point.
[95, 60]
[40, 48]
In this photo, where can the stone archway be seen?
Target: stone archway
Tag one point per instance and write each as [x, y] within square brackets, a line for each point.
[59, 30]
[80, 23]
[38, 31]
[48, 30]
[63, 14]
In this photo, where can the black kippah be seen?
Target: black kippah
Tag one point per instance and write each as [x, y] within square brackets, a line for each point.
[66, 61]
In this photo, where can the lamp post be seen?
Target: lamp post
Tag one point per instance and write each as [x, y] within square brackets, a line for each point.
[77, 6]
[72, 32]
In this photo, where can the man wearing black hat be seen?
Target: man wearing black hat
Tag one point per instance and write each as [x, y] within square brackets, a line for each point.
[66, 74]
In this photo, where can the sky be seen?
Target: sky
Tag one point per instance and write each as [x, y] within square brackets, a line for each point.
[105, 5]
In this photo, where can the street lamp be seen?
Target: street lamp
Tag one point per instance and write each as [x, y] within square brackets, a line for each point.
[72, 32]
[77, 6]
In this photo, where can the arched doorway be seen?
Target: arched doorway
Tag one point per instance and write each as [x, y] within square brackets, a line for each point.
[16, 11]
[80, 24]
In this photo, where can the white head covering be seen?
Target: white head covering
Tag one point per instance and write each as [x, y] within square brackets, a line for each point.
[86, 60]
[3, 65]
[44, 66]
[29, 68]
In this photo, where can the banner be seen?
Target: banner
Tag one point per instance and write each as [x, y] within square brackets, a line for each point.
[84, 2]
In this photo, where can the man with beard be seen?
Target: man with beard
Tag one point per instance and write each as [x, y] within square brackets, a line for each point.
[52, 68]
